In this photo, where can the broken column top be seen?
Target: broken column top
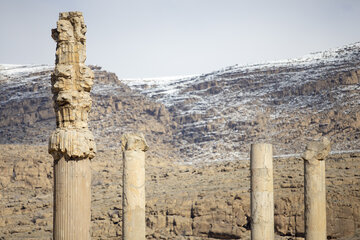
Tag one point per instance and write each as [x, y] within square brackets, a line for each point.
[71, 83]
[318, 149]
[133, 142]
[70, 27]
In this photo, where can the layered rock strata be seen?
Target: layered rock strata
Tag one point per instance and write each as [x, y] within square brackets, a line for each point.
[134, 147]
[315, 189]
[72, 144]
[262, 192]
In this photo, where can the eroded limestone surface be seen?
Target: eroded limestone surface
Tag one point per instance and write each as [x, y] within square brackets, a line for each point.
[71, 83]
[133, 142]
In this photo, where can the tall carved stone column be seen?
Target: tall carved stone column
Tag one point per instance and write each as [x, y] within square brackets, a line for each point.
[134, 147]
[72, 144]
[262, 192]
[315, 189]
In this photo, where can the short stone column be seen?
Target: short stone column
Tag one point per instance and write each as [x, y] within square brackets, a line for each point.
[71, 144]
[262, 192]
[134, 147]
[315, 189]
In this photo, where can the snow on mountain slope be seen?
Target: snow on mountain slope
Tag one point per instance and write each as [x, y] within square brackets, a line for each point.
[208, 117]
[282, 102]
[27, 115]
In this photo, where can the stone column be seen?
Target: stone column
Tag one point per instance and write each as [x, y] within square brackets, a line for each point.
[134, 147]
[71, 144]
[262, 192]
[315, 189]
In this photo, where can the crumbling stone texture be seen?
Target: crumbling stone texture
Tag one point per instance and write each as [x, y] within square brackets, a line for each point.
[315, 189]
[71, 144]
[134, 147]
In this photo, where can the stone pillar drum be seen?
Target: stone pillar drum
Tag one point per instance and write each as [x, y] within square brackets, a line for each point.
[72, 199]
[134, 147]
[262, 192]
[71, 144]
[315, 189]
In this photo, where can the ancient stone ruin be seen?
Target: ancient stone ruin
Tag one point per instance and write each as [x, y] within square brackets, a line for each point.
[72, 144]
[134, 147]
[315, 189]
[262, 192]
[72, 147]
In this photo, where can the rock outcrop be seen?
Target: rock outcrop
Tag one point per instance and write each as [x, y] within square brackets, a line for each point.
[213, 117]
[27, 114]
[283, 103]
[208, 117]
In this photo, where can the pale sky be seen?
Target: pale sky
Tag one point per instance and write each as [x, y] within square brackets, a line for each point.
[154, 38]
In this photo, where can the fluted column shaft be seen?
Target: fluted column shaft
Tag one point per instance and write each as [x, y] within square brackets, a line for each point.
[71, 144]
[72, 199]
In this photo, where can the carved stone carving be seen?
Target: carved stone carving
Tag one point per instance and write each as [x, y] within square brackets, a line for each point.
[71, 83]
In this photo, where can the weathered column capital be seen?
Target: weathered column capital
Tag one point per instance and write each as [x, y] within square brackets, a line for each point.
[315, 188]
[70, 27]
[133, 142]
[317, 150]
[72, 140]
[71, 83]
[72, 143]
[133, 146]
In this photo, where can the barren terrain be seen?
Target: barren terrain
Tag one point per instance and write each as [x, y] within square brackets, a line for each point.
[199, 130]
[204, 201]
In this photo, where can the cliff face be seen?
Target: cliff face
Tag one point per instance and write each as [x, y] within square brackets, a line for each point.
[209, 118]
[220, 113]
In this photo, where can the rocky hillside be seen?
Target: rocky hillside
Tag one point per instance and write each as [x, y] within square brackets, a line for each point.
[27, 115]
[210, 117]
[218, 114]
[209, 120]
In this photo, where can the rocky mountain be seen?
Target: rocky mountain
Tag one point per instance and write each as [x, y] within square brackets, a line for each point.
[27, 114]
[210, 117]
[286, 102]
[209, 120]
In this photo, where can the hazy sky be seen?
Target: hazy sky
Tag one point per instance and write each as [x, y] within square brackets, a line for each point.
[179, 37]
